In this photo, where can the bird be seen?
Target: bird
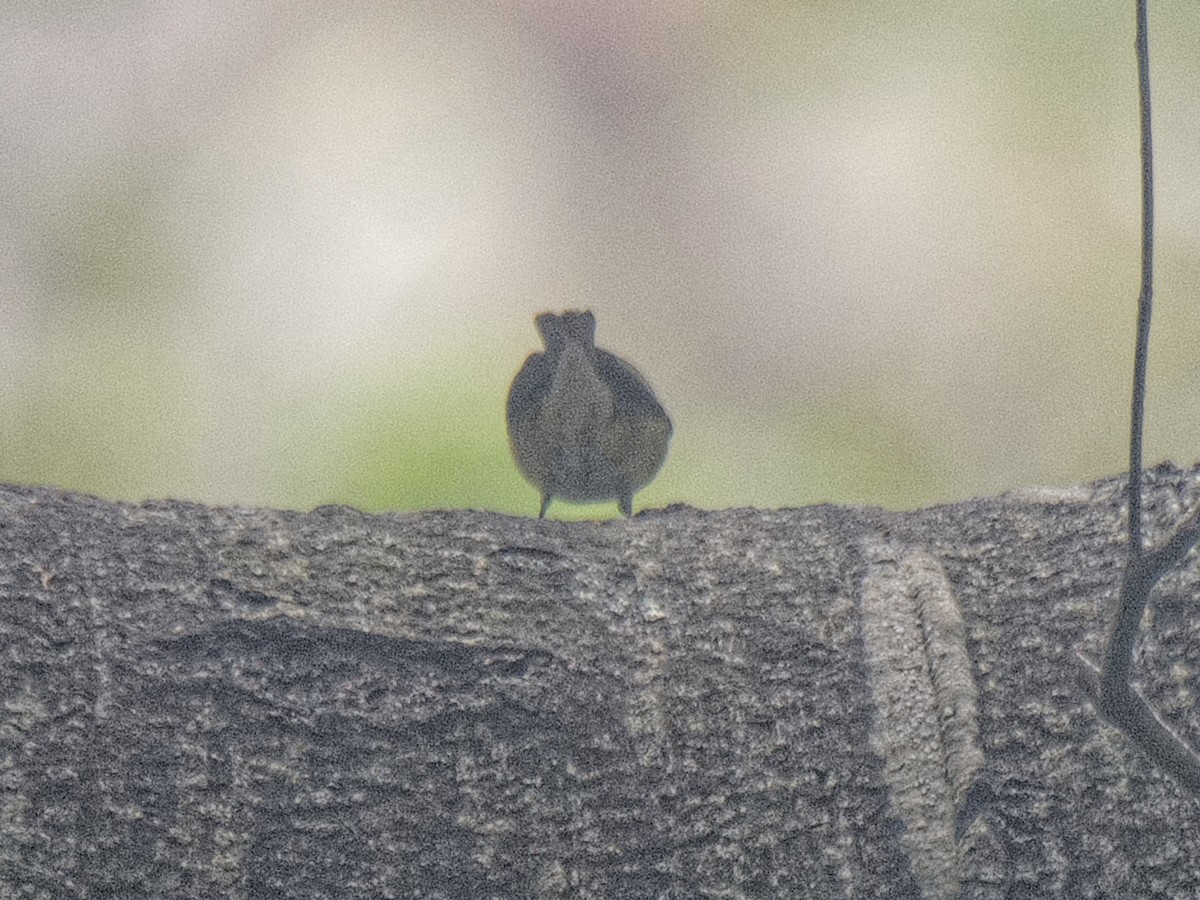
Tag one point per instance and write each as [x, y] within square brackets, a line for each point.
[583, 424]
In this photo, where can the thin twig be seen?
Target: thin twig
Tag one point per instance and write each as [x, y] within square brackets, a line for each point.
[1130, 711]
[1135, 589]
[1116, 698]
[1146, 295]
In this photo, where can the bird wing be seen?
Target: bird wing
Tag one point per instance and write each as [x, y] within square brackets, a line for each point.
[632, 396]
[529, 386]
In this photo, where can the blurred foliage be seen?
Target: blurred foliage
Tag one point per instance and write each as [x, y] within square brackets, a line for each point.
[865, 253]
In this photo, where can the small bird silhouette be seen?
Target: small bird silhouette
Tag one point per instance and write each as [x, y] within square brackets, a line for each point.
[582, 423]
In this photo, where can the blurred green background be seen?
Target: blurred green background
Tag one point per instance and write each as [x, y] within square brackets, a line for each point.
[289, 253]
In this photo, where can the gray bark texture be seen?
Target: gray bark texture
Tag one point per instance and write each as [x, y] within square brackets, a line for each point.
[817, 702]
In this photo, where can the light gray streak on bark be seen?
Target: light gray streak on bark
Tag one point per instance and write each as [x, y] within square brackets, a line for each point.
[927, 727]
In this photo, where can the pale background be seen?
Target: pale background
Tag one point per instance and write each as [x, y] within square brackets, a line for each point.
[289, 253]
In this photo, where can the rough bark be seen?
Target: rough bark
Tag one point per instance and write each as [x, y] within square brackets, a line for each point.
[818, 702]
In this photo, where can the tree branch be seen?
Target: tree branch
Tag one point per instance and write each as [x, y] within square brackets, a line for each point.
[201, 701]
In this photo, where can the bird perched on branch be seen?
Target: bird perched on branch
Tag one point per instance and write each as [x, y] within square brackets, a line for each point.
[583, 424]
